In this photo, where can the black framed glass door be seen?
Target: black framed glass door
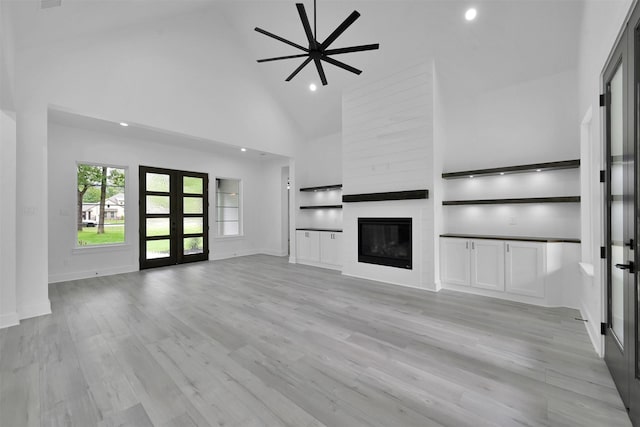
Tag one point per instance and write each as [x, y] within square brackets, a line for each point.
[621, 81]
[174, 226]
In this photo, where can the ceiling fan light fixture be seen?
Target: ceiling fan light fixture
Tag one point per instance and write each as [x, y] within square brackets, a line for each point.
[471, 14]
[317, 52]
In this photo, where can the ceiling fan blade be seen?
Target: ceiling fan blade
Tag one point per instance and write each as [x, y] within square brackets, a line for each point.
[341, 28]
[267, 33]
[323, 78]
[297, 70]
[352, 49]
[302, 55]
[341, 64]
[306, 25]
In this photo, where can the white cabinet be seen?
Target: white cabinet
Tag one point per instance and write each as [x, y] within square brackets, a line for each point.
[512, 269]
[307, 245]
[525, 268]
[455, 264]
[487, 264]
[319, 248]
[475, 263]
[331, 248]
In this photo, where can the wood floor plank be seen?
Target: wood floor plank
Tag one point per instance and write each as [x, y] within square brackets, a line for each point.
[256, 341]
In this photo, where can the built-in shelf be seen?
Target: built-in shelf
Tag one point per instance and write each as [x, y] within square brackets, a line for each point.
[570, 199]
[535, 167]
[322, 207]
[514, 238]
[381, 197]
[330, 230]
[323, 188]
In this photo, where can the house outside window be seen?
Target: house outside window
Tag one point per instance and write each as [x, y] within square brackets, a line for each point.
[100, 204]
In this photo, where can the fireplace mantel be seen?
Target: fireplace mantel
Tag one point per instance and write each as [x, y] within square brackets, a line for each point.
[382, 197]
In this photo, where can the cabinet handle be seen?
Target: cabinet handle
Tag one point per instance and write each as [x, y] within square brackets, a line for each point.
[306, 234]
[473, 245]
[467, 245]
[507, 247]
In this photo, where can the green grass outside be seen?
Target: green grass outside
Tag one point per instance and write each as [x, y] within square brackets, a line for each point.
[115, 234]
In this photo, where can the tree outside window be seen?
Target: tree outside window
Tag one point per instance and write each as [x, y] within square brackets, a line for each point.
[100, 210]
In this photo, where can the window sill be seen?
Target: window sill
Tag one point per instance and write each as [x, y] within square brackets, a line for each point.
[236, 237]
[119, 247]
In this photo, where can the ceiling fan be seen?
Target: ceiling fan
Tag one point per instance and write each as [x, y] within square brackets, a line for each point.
[318, 52]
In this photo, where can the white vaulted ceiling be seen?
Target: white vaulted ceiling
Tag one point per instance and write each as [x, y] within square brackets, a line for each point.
[511, 41]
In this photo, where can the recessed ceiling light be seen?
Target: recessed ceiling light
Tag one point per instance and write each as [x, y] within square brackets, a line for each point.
[501, 173]
[243, 149]
[538, 170]
[470, 176]
[470, 14]
[313, 87]
[124, 124]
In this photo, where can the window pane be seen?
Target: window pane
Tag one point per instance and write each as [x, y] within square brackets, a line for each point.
[158, 227]
[192, 185]
[228, 214]
[193, 245]
[158, 248]
[157, 204]
[94, 181]
[617, 214]
[228, 207]
[193, 226]
[157, 182]
[229, 228]
[193, 205]
[228, 200]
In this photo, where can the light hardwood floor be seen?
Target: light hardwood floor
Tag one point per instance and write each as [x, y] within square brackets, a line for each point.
[255, 341]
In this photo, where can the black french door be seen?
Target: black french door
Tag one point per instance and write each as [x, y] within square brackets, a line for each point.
[621, 80]
[174, 212]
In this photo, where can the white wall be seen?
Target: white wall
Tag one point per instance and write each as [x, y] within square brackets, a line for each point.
[7, 54]
[531, 122]
[601, 24]
[165, 74]
[388, 145]
[318, 163]
[67, 145]
[8, 302]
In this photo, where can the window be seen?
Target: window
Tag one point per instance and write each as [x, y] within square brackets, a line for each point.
[100, 210]
[228, 207]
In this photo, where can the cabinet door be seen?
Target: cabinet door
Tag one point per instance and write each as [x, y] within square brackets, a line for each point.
[308, 245]
[525, 268]
[487, 264]
[331, 248]
[455, 266]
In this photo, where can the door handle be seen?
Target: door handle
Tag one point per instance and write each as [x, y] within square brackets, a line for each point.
[628, 266]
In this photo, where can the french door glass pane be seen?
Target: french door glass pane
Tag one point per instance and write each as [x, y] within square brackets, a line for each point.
[158, 248]
[617, 211]
[158, 227]
[192, 185]
[158, 204]
[193, 245]
[193, 226]
[157, 182]
[193, 205]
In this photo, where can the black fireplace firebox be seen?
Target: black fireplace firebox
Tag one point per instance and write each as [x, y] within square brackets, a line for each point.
[385, 241]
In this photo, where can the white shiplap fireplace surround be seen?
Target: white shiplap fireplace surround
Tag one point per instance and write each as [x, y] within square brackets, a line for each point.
[389, 144]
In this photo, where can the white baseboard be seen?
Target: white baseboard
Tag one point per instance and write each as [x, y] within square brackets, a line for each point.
[593, 329]
[77, 275]
[9, 319]
[273, 252]
[390, 283]
[34, 310]
[226, 255]
[320, 265]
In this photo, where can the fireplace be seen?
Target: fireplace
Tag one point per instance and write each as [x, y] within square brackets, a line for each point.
[385, 241]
